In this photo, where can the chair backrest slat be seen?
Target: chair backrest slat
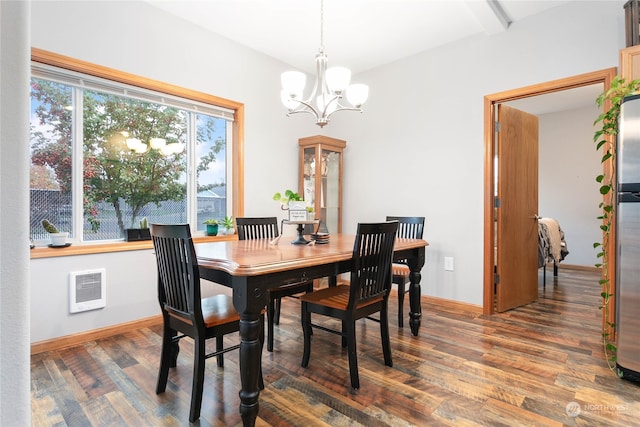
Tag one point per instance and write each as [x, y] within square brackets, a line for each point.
[409, 227]
[257, 228]
[178, 275]
[372, 257]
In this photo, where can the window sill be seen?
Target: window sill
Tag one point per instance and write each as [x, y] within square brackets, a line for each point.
[121, 246]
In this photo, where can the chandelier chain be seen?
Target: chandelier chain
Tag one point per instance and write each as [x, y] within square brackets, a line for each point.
[322, 24]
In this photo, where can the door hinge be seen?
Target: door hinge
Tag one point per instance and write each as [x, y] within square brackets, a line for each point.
[496, 202]
[497, 126]
[496, 279]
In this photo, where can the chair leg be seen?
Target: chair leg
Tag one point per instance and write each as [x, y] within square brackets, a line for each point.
[344, 340]
[384, 334]
[166, 359]
[310, 289]
[401, 292]
[261, 338]
[270, 319]
[220, 347]
[306, 330]
[198, 379]
[276, 314]
[175, 350]
[349, 329]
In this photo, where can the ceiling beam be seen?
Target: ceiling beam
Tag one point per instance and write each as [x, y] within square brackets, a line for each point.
[490, 14]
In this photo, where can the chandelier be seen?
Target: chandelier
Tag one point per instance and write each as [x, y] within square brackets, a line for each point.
[331, 85]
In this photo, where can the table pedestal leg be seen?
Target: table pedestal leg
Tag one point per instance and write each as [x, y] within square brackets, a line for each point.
[250, 360]
[300, 240]
[414, 300]
[415, 264]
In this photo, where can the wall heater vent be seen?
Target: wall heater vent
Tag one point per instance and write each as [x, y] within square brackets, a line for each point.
[87, 290]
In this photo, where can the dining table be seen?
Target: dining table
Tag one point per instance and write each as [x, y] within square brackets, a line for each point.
[251, 267]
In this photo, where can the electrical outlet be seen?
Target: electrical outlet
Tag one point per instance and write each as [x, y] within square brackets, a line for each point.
[448, 263]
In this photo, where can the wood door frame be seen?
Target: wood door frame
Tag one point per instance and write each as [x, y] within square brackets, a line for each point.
[490, 101]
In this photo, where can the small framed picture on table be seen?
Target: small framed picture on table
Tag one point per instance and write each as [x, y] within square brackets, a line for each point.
[297, 215]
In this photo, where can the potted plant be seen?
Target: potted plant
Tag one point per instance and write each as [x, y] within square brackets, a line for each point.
[608, 127]
[135, 234]
[212, 226]
[292, 202]
[227, 223]
[58, 238]
[288, 196]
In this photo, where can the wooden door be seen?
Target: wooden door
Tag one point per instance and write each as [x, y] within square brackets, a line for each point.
[516, 211]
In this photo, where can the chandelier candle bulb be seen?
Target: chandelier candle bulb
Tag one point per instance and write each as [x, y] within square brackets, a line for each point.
[338, 78]
[293, 82]
[357, 94]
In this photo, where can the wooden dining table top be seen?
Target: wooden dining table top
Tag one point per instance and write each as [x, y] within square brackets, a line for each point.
[260, 256]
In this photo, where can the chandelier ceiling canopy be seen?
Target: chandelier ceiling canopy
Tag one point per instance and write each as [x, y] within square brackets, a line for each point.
[331, 86]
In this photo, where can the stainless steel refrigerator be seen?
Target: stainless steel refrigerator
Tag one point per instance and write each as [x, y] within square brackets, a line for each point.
[628, 240]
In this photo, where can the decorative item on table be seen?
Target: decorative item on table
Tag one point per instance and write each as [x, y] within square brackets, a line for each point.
[58, 238]
[284, 199]
[320, 238]
[137, 234]
[297, 211]
[311, 215]
[227, 224]
[292, 202]
[212, 227]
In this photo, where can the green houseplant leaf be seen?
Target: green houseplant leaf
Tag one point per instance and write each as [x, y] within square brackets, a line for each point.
[49, 227]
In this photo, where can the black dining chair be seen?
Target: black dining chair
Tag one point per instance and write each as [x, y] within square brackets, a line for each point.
[409, 227]
[184, 310]
[367, 293]
[250, 228]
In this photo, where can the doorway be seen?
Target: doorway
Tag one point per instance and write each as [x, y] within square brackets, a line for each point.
[491, 103]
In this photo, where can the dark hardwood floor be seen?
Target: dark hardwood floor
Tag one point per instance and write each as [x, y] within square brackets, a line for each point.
[537, 365]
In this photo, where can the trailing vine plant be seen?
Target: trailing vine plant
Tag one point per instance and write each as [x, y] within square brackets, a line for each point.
[608, 122]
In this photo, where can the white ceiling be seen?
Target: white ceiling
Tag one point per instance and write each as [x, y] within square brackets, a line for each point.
[358, 34]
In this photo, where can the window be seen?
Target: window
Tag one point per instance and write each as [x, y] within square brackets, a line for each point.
[109, 150]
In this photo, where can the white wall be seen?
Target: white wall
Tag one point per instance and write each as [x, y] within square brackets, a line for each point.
[422, 129]
[131, 292]
[139, 39]
[568, 191]
[421, 132]
[15, 408]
